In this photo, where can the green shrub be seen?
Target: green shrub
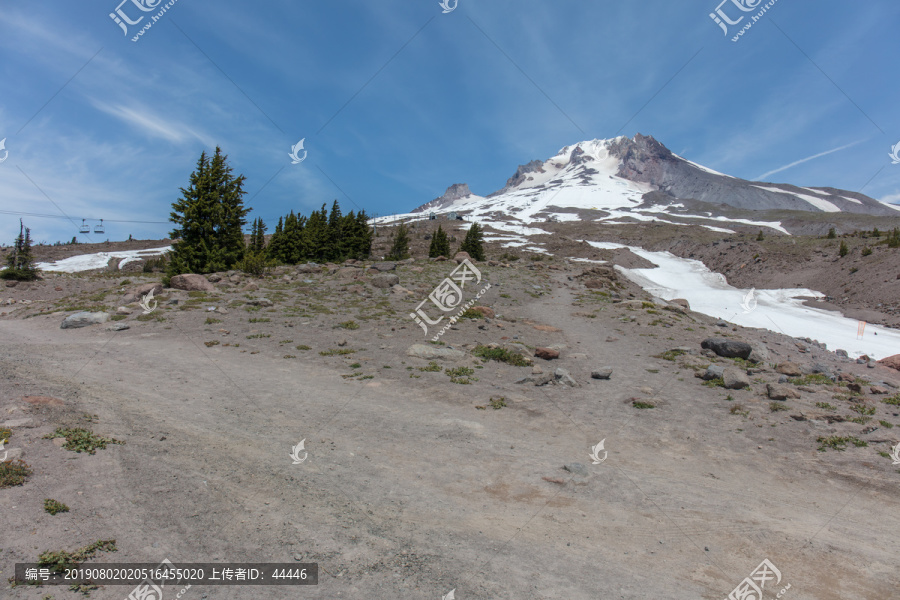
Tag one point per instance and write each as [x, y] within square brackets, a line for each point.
[843, 250]
[432, 367]
[839, 443]
[336, 352]
[501, 355]
[866, 251]
[82, 440]
[641, 404]
[348, 325]
[461, 375]
[498, 403]
[53, 506]
[58, 562]
[777, 406]
[13, 472]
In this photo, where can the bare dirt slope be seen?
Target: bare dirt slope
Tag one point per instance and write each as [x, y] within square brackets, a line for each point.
[410, 489]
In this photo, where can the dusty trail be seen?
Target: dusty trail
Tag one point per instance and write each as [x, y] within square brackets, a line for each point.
[409, 492]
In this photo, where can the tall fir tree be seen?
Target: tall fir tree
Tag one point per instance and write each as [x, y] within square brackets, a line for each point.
[336, 249]
[440, 244]
[209, 219]
[400, 245]
[474, 242]
[20, 262]
[275, 249]
[317, 235]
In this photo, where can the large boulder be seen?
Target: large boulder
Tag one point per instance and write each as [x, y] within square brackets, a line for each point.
[728, 348]
[546, 353]
[760, 353]
[788, 368]
[192, 283]
[735, 379]
[891, 361]
[384, 266]
[385, 280]
[459, 257]
[141, 291]
[84, 319]
[781, 392]
[309, 268]
[713, 372]
[429, 352]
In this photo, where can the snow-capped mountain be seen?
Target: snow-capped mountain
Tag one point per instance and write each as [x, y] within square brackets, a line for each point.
[624, 179]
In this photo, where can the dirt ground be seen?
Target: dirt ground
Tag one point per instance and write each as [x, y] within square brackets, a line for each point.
[415, 484]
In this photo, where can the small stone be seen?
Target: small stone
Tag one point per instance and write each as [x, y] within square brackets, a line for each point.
[713, 372]
[14, 453]
[119, 327]
[563, 377]
[602, 373]
[342, 343]
[59, 442]
[577, 469]
[27, 423]
[250, 287]
[788, 368]
[546, 353]
[537, 370]
[734, 379]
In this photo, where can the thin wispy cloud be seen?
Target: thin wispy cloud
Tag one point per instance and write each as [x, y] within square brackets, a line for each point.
[807, 159]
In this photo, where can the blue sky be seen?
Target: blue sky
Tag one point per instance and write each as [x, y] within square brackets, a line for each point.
[397, 100]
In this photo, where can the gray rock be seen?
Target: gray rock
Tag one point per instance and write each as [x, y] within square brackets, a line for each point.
[385, 281]
[26, 422]
[429, 352]
[14, 453]
[842, 353]
[721, 324]
[602, 373]
[221, 310]
[563, 377]
[309, 268]
[735, 379]
[543, 379]
[577, 469]
[781, 392]
[119, 327]
[537, 370]
[123, 310]
[783, 379]
[262, 302]
[191, 283]
[214, 278]
[759, 353]
[822, 369]
[384, 266]
[713, 372]
[84, 319]
[727, 348]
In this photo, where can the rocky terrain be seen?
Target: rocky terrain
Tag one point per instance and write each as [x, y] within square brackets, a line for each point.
[472, 463]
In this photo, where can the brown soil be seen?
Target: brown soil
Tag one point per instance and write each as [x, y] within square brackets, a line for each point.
[410, 490]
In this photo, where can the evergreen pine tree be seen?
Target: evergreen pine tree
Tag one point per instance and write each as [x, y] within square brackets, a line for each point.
[440, 244]
[209, 219]
[893, 240]
[317, 235]
[361, 246]
[400, 245]
[759, 236]
[843, 250]
[474, 244]
[831, 234]
[276, 246]
[20, 262]
[336, 244]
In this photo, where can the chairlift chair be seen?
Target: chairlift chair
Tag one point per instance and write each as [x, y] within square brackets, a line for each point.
[85, 228]
[99, 228]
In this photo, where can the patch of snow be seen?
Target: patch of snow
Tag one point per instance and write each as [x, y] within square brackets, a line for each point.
[702, 168]
[780, 310]
[823, 205]
[90, 262]
[851, 199]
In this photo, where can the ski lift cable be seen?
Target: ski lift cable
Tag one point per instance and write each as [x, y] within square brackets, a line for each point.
[45, 216]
